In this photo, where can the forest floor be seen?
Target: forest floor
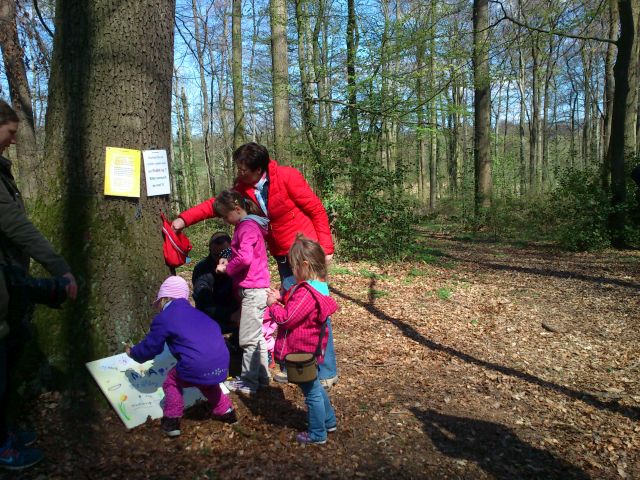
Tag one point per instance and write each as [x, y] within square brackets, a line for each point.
[470, 360]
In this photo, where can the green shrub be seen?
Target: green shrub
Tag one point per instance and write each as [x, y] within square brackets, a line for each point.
[375, 223]
[581, 209]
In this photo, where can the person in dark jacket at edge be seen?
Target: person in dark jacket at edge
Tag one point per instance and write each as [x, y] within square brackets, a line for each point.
[20, 241]
[213, 292]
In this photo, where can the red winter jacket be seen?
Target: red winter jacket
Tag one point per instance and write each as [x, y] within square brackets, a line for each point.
[292, 206]
[300, 321]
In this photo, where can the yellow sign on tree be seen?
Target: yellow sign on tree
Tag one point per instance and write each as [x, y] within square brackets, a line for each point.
[122, 172]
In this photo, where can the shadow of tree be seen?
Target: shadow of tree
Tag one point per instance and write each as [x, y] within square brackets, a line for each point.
[548, 272]
[410, 332]
[495, 448]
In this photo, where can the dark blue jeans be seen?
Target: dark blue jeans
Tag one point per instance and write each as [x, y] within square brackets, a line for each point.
[328, 368]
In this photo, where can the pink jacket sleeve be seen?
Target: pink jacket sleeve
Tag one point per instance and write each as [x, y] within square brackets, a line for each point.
[243, 256]
[300, 192]
[200, 212]
[297, 310]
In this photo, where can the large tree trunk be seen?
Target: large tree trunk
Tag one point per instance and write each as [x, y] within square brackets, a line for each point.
[13, 57]
[280, 79]
[482, 106]
[622, 143]
[238, 86]
[110, 86]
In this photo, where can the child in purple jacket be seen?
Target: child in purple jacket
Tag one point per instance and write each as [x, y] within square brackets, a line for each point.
[249, 271]
[197, 344]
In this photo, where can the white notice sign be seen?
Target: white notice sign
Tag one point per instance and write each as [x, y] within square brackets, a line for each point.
[156, 172]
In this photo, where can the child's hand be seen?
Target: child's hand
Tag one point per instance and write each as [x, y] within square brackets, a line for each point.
[275, 293]
[222, 265]
[127, 350]
[271, 298]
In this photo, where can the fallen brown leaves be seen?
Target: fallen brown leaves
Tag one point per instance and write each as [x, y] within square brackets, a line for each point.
[492, 362]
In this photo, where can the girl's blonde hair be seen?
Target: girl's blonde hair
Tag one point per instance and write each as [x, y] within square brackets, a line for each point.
[227, 200]
[306, 250]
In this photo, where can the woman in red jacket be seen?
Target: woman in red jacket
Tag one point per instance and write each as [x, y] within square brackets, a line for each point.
[292, 208]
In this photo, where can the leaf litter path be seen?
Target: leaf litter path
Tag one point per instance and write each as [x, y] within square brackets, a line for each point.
[469, 360]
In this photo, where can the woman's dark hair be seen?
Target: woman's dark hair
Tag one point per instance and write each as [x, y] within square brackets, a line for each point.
[219, 238]
[252, 156]
[7, 114]
[227, 200]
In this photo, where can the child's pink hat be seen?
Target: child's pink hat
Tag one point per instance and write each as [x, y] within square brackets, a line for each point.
[173, 287]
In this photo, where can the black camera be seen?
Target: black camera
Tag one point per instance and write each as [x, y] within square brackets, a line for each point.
[46, 291]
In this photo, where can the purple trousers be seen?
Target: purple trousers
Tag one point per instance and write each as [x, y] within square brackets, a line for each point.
[174, 403]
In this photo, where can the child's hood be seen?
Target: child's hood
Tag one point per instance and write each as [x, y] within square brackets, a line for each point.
[263, 222]
[328, 306]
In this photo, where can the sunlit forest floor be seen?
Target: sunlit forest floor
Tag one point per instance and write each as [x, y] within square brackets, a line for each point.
[472, 360]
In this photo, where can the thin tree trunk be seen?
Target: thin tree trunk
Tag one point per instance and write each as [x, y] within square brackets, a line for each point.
[206, 133]
[13, 57]
[187, 143]
[482, 106]
[534, 127]
[521, 123]
[280, 79]
[238, 86]
[354, 146]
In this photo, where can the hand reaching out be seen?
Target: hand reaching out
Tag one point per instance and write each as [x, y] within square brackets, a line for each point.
[178, 224]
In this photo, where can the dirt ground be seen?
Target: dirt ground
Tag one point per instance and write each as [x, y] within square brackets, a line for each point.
[469, 360]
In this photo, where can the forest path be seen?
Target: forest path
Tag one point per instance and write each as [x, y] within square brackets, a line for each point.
[468, 360]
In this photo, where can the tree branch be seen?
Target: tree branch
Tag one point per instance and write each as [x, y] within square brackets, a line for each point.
[46, 27]
[506, 16]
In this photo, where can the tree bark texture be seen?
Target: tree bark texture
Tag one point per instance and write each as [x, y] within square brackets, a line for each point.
[110, 86]
[482, 105]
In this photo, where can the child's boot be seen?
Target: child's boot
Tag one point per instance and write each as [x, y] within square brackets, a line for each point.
[170, 426]
[227, 417]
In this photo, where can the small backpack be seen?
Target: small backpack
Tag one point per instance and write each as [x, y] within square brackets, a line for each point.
[176, 246]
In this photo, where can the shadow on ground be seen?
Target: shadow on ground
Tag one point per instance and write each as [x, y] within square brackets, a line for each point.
[493, 447]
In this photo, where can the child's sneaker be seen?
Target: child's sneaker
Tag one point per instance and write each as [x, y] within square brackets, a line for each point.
[305, 439]
[12, 458]
[332, 429]
[170, 426]
[229, 416]
[238, 385]
[327, 383]
[281, 377]
[22, 439]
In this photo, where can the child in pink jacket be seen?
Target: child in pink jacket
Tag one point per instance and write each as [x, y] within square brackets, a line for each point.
[248, 269]
[302, 327]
